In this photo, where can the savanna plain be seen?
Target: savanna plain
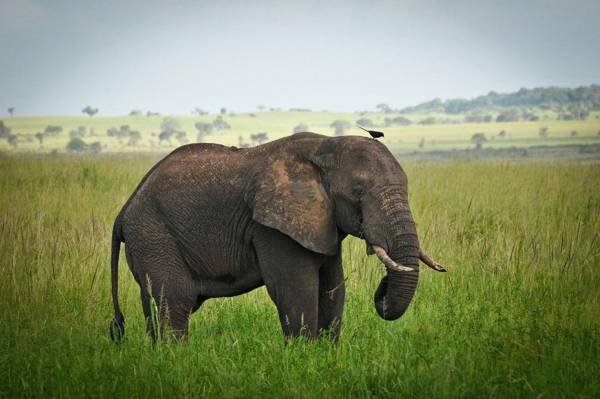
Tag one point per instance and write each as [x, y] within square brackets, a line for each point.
[515, 316]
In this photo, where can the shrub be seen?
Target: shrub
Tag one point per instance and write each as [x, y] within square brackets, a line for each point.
[340, 126]
[259, 138]
[76, 144]
[478, 138]
[365, 122]
[430, 120]
[301, 127]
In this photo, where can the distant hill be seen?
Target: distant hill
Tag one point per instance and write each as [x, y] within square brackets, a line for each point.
[543, 97]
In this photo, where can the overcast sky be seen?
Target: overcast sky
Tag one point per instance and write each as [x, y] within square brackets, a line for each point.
[57, 56]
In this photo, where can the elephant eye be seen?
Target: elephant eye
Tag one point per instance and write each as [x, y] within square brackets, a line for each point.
[357, 191]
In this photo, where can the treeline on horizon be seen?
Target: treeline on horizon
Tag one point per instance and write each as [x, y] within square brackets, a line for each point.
[543, 97]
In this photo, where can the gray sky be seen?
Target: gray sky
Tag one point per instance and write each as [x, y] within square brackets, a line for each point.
[57, 56]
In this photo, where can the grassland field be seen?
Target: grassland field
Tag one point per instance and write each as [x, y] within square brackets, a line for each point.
[515, 316]
[400, 139]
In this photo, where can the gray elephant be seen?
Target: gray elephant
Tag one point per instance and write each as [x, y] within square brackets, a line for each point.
[212, 221]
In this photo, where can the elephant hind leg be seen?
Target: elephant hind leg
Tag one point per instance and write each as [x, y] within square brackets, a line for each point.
[166, 312]
[169, 293]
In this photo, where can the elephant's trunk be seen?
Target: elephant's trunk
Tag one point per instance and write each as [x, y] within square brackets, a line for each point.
[397, 288]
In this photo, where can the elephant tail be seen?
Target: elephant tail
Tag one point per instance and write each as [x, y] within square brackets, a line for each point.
[117, 325]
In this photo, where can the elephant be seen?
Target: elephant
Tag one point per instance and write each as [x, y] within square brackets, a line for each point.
[211, 221]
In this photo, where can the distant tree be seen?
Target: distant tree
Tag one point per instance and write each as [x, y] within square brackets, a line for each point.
[181, 136]
[121, 133]
[40, 137]
[171, 128]
[135, 138]
[430, 120]
[487, 118]
[543, 132]
[53, 130]
[199, 111]
[528, 116]
[384, 108]
[365, 122]
[223, 111]
[478, 139]
[251, 115]
[422, 143]
[579, 112]
[565, 117]
[11, 111]
[136, 112]
[204, 128]
[150, 113]
[340, 126]
[261, 107]
[574, 133]
[399, 120]
[165, 136]
[242, 143]
[510, 115]
[76, 144]
[259, 138]
[299, 128]
[13, 140]
[220, 124]
[95, 147]
[170, 124]
[79, 132]
[90, 111]
[473, 118]
[4, 131]
[502, 134]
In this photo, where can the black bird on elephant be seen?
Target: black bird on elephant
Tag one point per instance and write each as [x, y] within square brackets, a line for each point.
[374, 133]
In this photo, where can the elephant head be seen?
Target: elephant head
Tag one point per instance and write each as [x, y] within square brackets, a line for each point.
[317, 189]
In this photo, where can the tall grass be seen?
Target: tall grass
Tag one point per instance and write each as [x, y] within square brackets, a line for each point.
[517, 314]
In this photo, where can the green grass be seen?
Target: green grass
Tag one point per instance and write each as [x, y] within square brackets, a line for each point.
[516, 316]
[400, 139]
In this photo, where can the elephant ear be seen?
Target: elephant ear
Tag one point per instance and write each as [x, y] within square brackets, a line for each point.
[289, 196]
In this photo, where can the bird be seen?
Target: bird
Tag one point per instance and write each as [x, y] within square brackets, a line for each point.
[374, 133]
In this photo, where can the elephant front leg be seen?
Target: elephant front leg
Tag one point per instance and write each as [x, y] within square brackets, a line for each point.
[332, 291]
[296, 295]
[291, 275]
[297, 310]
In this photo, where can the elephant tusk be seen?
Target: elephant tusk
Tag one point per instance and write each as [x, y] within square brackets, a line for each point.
[430, 262]
[388, 262]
